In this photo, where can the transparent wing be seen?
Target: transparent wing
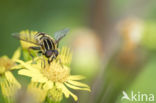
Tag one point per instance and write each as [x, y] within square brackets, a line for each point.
[60, 34]
[27, 37]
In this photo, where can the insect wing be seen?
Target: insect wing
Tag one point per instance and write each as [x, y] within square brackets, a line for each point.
[27, 37]
[60, 34]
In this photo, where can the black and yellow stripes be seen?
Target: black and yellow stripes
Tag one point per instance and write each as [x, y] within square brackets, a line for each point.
[46, 42]
[42, 42]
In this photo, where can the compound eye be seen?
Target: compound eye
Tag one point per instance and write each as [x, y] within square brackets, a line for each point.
[48, 53]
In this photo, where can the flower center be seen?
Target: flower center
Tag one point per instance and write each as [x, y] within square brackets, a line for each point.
[56, 72]
[5, 64]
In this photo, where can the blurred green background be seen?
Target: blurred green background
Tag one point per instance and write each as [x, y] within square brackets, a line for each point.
[46, 16]
[98, 37]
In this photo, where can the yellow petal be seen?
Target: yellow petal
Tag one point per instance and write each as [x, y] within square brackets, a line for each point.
[76, 88]
[35, 75]
[2, 69]
[39, 79]
[16, 67]
[65, 56]
[37, 91]
[66, 91]
[12, 79]
[28, 72]
[78, 84]
[19, 66]
[16, 54]
[6, 90]
[48, 85]
[26, 65]
[73, 95]
[76, 77]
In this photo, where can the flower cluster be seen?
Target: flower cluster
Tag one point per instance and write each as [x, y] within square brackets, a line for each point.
[48, 83]
[55, 77]
[9, 85]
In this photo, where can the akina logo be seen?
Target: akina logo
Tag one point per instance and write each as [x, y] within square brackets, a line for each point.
[138, 96]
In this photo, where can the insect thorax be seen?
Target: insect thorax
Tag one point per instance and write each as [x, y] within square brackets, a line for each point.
[46, 42]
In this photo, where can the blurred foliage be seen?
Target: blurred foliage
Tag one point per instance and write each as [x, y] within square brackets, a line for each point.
[149, 37]
[144, 82]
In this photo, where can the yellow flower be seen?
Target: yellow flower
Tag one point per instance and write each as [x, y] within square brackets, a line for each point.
[8, 83]
[56, 76]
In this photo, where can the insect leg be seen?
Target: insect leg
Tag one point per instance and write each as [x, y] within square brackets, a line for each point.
[39, 52]
[60, 62]
[57, 45]
[33, 48]
[43, 63]
[49, 61]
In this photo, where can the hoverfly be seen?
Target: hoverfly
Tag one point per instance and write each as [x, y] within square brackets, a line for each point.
[44, 43]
